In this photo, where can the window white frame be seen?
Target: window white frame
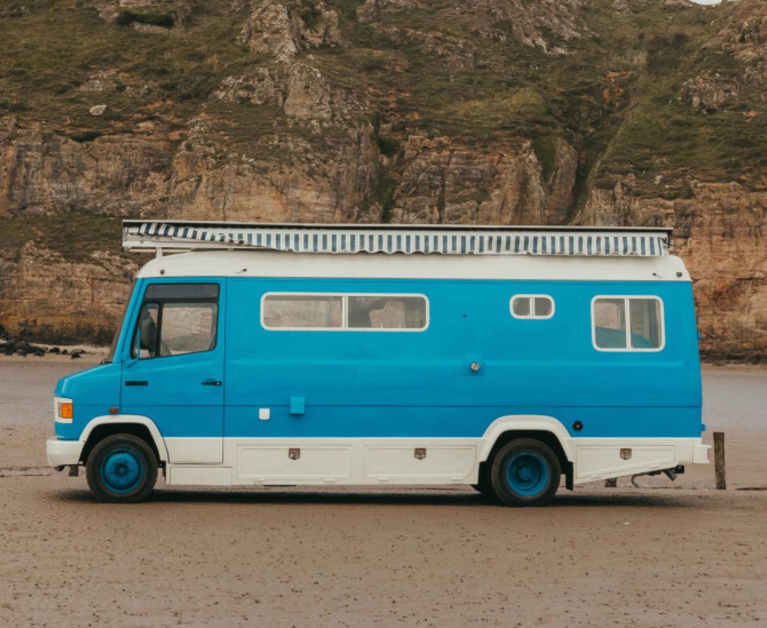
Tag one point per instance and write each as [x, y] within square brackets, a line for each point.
[627, 309]
[345, 311]
[532, 297]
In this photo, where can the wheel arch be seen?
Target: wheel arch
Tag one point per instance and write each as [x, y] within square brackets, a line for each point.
[545, 429]
[142, 427]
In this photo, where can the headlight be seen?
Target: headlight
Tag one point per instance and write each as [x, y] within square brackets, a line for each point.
[64, 410]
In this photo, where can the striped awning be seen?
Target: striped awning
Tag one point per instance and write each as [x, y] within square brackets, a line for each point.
[442, 239]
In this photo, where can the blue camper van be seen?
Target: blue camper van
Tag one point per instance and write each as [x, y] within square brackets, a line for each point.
[509, 359]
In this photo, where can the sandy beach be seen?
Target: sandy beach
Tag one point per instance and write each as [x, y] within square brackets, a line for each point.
[666, 554]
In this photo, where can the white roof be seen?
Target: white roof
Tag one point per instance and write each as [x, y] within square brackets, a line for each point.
[444, 240]
[240, 263]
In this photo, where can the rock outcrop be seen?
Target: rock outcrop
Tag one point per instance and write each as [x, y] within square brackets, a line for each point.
[282, 28]
[50, 299]
[45, 172]
[443, 183]
[152, 17]
[402, 111]
[208, 184]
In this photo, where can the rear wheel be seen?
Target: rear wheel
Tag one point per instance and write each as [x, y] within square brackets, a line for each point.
[122, 468]
[525, 472]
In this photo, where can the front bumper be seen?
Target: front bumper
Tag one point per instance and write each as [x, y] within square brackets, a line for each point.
[63, 452]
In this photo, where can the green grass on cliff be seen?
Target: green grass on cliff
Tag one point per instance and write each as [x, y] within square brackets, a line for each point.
[49, 53]
[619, 95]
[438, 68]
[75, 236]
[659, 135]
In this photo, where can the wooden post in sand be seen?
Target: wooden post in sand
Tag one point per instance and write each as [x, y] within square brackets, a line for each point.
[719, 468]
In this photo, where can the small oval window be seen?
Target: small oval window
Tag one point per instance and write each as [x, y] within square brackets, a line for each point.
[532, 306]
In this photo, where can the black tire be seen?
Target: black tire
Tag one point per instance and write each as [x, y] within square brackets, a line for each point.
[525, 472]
[484, 485]
[122, 468]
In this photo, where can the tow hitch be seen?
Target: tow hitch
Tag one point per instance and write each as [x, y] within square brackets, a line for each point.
[670, 473]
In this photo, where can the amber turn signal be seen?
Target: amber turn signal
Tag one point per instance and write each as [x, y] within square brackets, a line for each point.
[66, 411]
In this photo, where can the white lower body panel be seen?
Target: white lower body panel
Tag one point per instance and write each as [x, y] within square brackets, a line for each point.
[262, 463]
[198, 475]
[352, 461]
[601, 458]
[194, 450]
[408, 461]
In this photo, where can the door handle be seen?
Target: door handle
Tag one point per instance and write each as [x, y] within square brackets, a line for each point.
[136, 382]
[211, 382]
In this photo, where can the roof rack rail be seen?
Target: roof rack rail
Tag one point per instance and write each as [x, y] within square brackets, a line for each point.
[178, 235]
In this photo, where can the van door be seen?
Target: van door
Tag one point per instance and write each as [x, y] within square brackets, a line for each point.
[174, 373]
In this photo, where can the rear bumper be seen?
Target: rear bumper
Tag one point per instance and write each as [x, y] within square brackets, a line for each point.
[605, 458]
[700, 454]
[63, 452]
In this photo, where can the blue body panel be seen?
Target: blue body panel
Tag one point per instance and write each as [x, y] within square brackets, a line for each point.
[390, 384]
[95, 391]
[367, 383]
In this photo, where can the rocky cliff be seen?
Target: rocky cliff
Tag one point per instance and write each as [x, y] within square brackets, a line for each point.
[618, 112]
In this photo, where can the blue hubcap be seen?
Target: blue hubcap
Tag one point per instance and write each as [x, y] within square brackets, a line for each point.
[122, 470]
[527, 474]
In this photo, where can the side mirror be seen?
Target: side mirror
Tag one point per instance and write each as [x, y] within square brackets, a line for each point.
[134, 352]
[147, 334]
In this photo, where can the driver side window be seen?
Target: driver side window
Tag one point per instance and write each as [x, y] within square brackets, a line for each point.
[180, 319]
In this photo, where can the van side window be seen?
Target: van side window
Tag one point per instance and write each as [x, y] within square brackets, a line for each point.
[176, 320]
[372, 312]
[532, 306]
[627, 324]
[386, 312]
[302, 311]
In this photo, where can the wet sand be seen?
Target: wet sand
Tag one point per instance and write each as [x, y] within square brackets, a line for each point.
[680, 554]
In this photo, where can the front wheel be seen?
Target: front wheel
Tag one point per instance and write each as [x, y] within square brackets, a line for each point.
[122, 468]
[525, 472]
